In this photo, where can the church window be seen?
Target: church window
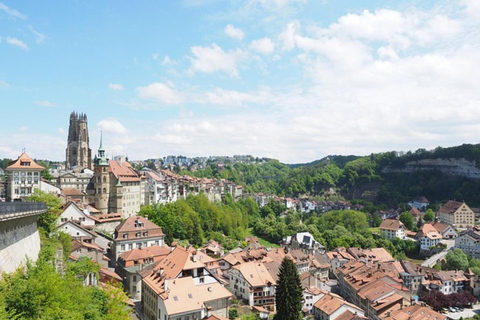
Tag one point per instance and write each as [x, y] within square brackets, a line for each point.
[104, 190]
[104, 179]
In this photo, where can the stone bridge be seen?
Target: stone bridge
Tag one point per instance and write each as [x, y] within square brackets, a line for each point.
[19, 238]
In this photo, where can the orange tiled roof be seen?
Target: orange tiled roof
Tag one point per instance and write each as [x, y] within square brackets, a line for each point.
[24, 162]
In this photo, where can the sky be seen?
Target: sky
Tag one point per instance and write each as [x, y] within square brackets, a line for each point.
[294, 80]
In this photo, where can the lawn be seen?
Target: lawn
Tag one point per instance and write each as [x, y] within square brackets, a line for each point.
[262, 241]
[374, 230]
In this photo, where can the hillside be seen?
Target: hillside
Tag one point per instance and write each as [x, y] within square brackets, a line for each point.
[389, 178]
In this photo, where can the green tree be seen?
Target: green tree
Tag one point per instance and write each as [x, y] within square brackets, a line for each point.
[407, 220]
[376, 219]
[54, 205]
[288, 293]
[457, 260]
[429, 215]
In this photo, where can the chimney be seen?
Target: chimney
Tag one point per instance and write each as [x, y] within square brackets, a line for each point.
[194, 256]
[165, 284]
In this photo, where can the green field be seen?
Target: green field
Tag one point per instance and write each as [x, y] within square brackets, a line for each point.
[374, 230]
[262, 241]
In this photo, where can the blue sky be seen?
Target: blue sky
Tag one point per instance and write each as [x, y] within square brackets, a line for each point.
[294, 80]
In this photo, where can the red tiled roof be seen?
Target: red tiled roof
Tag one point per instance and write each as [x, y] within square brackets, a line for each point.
[24, 162]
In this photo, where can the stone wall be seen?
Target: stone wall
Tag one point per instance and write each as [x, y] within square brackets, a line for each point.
[19, 241]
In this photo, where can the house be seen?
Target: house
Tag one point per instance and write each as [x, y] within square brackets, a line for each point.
[22, 177]
[253, 283]
[469, 242]
[179, 286]
[457, 214]
[414, 312]
[428, 236]
[310, 296]
[447, 231]
[77, 232]
[447, 282]
[73, 212]
[92, 250]
[391, 228]
[413, 276]
[416, 214]
[303, 241]
[134, 233]
[337, 258]
[131, 262]
[420, 202]
[332, 307]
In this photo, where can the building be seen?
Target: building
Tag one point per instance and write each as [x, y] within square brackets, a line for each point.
[73, 212]
[22, 177]
[420, 202]
[181, 287]
[305, 242]
[469, 242]
[332, 306]
[428, 237]
[391, 228]
[78, 153]
[447, 231]
[447, 282]
[130, 263]
[116, 186]
[253, 283]
[90, 250]
[135, 233]
[414, 312]
[457, 214]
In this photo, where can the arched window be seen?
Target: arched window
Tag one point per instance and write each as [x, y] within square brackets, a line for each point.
[104, 190]
[99, 190]
[104, 179]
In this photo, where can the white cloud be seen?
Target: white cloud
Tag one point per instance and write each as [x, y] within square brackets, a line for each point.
[23, 129]
[44, 103]
[12, 12]
[232, 98]
[167, 61]
[4, 84]
[39, 37]
[62, 131]
[16, 42]
[162, 92]
[287, 37]
[264, 45]
[116, 86]
[235, 33]
[155, 56]
[212, 59]
[111, 125]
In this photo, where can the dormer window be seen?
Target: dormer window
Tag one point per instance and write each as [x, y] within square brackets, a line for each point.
[138, 234]
[145, 233]
[125, 236]
[25, 163]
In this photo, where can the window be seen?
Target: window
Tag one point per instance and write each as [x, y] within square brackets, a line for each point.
[125, 236]
[122, 247]
[135, 278]
[130, 246]
[134, 289]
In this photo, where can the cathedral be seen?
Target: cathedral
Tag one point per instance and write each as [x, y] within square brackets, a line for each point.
[79, 154]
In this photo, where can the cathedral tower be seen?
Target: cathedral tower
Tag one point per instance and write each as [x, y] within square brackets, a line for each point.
[78, 150]
[101, 180]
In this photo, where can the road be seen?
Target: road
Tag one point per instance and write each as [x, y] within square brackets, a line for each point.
[466, 313]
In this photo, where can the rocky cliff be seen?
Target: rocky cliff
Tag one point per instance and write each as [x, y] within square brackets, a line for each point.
[451, 167]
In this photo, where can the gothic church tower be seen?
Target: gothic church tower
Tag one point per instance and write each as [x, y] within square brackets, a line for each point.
[78, 150]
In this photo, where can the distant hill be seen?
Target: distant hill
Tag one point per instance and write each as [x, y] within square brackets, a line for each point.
[390, 178]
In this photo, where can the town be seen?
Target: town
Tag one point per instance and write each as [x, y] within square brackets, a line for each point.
[102, 210]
